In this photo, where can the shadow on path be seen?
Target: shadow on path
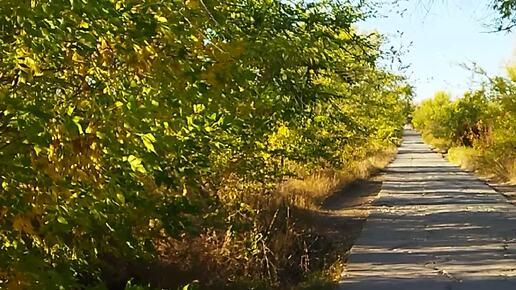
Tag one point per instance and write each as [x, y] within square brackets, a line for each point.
[355, 194]
[434, 226]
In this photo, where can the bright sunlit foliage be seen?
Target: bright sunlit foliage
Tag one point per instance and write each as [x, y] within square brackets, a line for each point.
[484, 119]
[121, 122]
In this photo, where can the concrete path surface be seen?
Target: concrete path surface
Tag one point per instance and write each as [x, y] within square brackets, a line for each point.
[434, 226]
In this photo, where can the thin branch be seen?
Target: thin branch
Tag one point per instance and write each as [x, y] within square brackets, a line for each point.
[209, 13]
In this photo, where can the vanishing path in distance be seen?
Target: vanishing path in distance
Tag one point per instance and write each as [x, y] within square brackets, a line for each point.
[434, 226]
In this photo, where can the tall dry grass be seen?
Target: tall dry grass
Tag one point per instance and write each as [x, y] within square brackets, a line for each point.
[499, 166]
[312, 190]
[441, 144]
[270, 241]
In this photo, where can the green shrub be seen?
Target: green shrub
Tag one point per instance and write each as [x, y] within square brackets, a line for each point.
[124, 122]
[483, 120]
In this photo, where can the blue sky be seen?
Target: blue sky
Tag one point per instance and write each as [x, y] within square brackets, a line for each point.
[440, 37]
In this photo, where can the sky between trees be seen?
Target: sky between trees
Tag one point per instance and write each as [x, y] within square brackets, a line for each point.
[440, 37]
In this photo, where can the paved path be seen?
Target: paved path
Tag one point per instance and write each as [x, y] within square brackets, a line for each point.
[434, 226]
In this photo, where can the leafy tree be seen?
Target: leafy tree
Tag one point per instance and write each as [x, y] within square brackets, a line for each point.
[122, 120]
[433, 115]
[482, 118]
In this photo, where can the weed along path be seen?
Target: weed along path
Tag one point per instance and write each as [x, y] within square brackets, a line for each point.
[434, 226]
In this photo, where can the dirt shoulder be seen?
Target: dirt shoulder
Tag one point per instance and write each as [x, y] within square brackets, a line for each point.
[339, 223]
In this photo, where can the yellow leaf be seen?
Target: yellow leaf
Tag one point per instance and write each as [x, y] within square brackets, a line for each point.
[84, 24]
[265, 155]
[192, 4]
[198, 108]
[103, 44]
[77, 57]
[160, 18]
[148, 140]
[136, 164]
[76, 120]
[100, 135]
[21, 223]
[70, 110]
[37, 149]
[89, 129]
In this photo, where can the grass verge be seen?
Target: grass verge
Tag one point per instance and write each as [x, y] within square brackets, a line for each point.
[491, 164]
[298, 239]
[496, 163]
[312, 190]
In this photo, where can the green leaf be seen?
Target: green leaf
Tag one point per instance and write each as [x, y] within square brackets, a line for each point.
[320, 119]
[121, 198]
[62, 220]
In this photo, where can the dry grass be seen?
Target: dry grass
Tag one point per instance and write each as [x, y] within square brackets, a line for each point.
[312, 190]
[324, 262]
[497, 166]
[494, 163]
[282, 241]
[441, 144]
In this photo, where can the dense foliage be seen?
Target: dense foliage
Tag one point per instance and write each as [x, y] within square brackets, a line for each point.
[484, 119]
[124, 122]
